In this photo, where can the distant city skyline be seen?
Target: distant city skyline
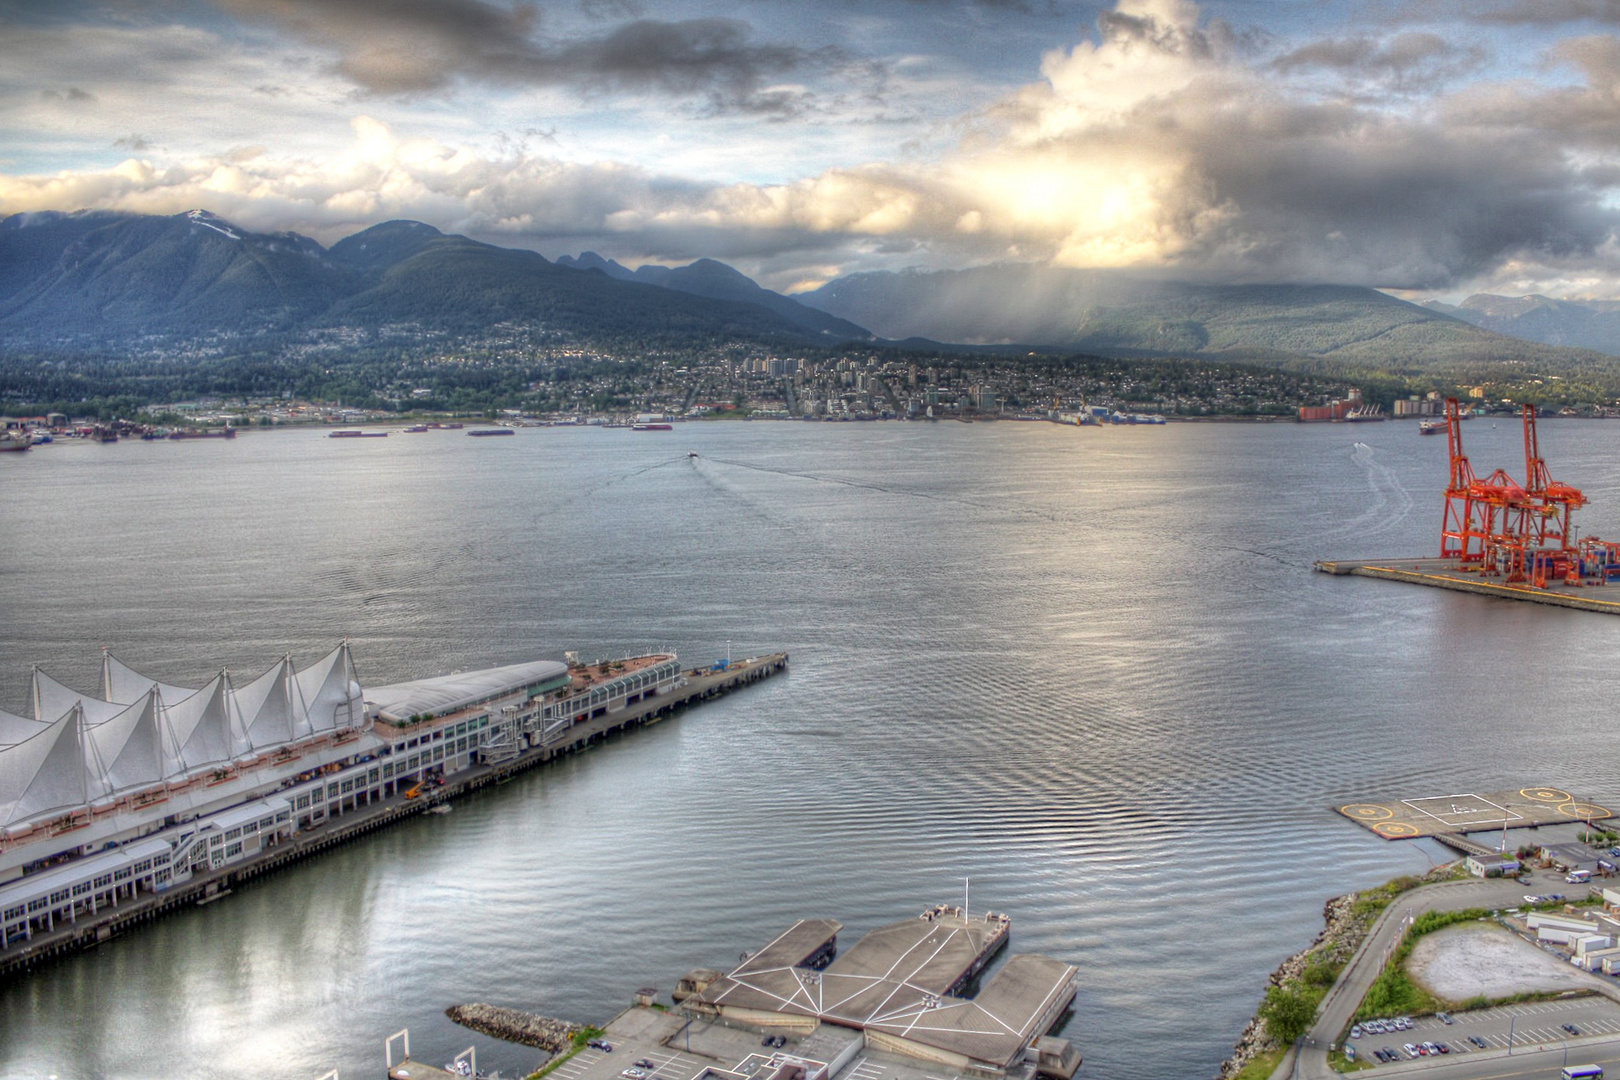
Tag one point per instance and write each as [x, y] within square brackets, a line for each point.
[1433, 148]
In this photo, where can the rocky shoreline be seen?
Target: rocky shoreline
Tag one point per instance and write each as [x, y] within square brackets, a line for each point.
[514, 1025]
[1341, 933]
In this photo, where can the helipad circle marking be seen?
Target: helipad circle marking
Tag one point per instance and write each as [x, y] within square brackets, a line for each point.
[1395, 830]
[1367, 812]
[1546, 794]
[1580, 811]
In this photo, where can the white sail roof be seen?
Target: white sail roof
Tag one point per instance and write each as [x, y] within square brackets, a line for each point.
[45, 773]
[52, 699]
[122, 683]
[331, 697]
[201, 727]
[266, 710]
[79, 748]
[127, 751]
[16, 729]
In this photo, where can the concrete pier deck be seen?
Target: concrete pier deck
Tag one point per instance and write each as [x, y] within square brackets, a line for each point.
[1452, 815]
[1445, 574]
[701, 686]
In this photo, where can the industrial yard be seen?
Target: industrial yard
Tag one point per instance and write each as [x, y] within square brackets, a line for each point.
[1500, 537]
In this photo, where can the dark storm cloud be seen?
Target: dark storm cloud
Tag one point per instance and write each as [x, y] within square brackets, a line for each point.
[1549, 12]
[1407, 61]
[410, 46]
[72, 95]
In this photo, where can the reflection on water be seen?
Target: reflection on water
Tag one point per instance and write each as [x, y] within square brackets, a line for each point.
[1090, 669]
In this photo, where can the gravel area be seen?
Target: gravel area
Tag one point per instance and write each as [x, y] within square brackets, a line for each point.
[1461, 962]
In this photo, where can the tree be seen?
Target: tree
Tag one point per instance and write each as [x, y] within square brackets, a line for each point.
[1288, 1012]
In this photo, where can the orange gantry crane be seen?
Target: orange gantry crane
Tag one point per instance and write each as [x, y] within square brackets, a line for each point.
[1521, 532]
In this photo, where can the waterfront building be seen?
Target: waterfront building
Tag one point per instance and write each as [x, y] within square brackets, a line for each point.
[149, 784]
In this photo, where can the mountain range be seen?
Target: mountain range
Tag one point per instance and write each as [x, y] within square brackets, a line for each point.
[1317, 327]
[113, 284]
[1587, 324]
[96, 280]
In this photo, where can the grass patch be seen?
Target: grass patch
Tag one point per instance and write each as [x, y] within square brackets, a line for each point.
[581, 1039]
[1339, 1063]
[1369, 902]
[1394, 993]
[1261, 1066]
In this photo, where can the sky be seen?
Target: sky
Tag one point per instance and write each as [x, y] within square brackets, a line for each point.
[1428, 147]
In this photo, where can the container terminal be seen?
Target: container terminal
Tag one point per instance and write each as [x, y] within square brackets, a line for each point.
[119, 807]
[899, 1005]
[1501, 538]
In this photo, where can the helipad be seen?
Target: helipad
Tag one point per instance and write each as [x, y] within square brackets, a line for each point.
[1436, 815]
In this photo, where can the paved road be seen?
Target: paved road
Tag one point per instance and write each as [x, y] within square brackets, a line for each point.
[1345, 997]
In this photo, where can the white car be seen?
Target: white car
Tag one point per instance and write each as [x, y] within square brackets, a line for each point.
[1411, 1051]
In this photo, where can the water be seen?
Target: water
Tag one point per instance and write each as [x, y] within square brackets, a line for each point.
[1090, 669]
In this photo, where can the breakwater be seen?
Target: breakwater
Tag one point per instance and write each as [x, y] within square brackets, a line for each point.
[515, 1025]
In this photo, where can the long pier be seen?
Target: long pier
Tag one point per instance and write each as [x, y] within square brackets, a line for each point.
[1444, 574]
[701, 686]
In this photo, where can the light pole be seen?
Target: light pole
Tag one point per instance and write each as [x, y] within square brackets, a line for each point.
[1513, 1019]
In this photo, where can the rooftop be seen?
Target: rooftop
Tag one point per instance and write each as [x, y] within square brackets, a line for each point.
[898, 979]
[447, 693]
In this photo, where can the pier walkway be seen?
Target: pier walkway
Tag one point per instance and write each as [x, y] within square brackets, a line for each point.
[701, 686]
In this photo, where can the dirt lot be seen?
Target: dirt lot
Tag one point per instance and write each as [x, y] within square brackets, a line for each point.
[1465, 961]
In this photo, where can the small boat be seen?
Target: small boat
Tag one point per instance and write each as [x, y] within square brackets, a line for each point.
[11, 441]
[414, 428]
[442, 808]
[42, 437]
[352, 434]
[492, 431]
[691, 453]
[652, 427]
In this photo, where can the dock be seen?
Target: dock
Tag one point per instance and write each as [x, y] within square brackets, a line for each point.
[1447, 817]
[701, 685]
[1446, 574]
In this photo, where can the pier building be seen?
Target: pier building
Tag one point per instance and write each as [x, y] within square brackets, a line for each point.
[905, 988]
[139, 789]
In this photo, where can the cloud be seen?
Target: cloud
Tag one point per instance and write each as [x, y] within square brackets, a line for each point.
[1549, 12]
[1161, 145]
[414, 46]
[1405, 62]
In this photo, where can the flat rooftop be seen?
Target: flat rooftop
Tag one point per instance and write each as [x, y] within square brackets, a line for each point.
[1440, 815]
[898, 981]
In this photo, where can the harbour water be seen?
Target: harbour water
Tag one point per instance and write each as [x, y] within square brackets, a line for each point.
[1091, 670]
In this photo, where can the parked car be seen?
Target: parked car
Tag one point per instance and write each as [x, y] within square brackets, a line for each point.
[1411, 1051]
[1444, 1018]
[1477, 1041]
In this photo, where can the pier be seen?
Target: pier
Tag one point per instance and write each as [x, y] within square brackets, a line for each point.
[701, 685]
[1450, 817]
[1445, 574]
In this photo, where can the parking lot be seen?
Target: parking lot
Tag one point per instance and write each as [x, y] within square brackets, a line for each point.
[1530, 1025]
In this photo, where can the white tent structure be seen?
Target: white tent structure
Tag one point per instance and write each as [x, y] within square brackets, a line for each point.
[79, 749]
[44, 774]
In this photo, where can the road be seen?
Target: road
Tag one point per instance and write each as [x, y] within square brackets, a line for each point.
[1342, 1001]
